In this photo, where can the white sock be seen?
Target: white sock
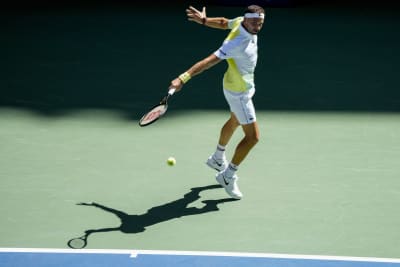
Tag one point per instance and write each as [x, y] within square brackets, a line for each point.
[230, 171]
[219, 153]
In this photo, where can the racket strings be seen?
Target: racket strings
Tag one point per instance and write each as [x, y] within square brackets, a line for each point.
[153, 114]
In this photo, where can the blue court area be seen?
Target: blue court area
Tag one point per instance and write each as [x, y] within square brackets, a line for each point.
[125, 258]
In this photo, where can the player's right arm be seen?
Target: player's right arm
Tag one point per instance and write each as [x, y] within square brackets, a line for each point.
[201, 18]
[196, 69]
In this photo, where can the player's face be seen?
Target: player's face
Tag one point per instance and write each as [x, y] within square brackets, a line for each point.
[253, 25]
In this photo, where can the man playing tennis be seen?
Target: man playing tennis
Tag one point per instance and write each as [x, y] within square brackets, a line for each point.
[240, 51]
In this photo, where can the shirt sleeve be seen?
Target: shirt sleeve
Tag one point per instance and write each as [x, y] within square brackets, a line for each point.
[227, 50]
[232, 23]
[230, 46]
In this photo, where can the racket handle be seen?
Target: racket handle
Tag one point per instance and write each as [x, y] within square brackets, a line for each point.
[171, 91]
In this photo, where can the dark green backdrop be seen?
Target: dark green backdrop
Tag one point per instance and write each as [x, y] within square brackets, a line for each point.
[123, 58]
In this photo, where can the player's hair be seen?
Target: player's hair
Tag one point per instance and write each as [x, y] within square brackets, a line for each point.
[254, 9]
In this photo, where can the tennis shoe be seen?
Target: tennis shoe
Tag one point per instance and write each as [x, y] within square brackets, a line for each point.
[230, 185]
[215, 164]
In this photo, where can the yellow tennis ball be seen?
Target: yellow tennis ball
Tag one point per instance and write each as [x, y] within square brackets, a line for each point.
[171, 161]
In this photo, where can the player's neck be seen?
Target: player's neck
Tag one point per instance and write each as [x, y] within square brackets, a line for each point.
[244, 27]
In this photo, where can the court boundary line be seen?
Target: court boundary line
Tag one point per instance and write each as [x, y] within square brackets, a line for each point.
[66, 251]
[263, 255]
[135, 253]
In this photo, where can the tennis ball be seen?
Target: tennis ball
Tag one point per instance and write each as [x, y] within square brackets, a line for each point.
[171, 161]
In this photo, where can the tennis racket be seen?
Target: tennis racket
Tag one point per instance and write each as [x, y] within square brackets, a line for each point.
[157, 111]
[78, 242]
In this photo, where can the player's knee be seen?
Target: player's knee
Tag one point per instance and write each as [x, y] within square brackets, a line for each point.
[256, 138]
[253, 138]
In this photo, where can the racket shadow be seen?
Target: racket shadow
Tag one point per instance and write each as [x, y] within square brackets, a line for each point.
[132, 223]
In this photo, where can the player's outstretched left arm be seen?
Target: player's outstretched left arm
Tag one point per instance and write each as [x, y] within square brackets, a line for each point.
[200, 17]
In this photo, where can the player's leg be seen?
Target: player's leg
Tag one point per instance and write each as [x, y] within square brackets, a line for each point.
[218, 160]
[228, 129]
[227, 178]
[250, 139]
[243, 108]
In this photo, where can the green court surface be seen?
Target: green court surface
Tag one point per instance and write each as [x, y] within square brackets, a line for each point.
[323, 180]
[317, 183]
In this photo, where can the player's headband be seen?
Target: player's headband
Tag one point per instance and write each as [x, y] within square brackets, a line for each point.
[254, 15]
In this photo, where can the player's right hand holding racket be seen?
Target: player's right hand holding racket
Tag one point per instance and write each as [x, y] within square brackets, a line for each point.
[176, 84]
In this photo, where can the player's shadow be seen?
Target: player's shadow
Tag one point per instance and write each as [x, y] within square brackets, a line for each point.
[132, 223]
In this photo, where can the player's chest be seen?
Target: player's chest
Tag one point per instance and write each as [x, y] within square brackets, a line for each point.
[250, 52]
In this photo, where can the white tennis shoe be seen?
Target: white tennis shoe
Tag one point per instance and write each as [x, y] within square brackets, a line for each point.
[230, 185]
[215, 164]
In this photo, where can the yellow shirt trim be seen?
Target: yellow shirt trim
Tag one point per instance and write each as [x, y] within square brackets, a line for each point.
[233, 80]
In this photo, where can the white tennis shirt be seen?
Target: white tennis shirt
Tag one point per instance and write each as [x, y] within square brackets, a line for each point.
[240, 51]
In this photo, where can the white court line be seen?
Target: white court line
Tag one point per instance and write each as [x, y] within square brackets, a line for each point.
[262, 255]
[67, 250]
[135, 253]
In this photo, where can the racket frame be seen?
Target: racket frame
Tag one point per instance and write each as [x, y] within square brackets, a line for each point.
[163, 102]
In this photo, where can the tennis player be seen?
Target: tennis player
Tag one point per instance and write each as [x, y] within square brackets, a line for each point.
[240, 51]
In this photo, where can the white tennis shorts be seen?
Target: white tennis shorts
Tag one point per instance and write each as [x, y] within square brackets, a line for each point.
[241, 104]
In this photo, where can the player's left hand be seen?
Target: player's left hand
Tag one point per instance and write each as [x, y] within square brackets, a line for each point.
[195, 15]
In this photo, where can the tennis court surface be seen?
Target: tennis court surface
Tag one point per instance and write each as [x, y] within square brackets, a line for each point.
[323, 180]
